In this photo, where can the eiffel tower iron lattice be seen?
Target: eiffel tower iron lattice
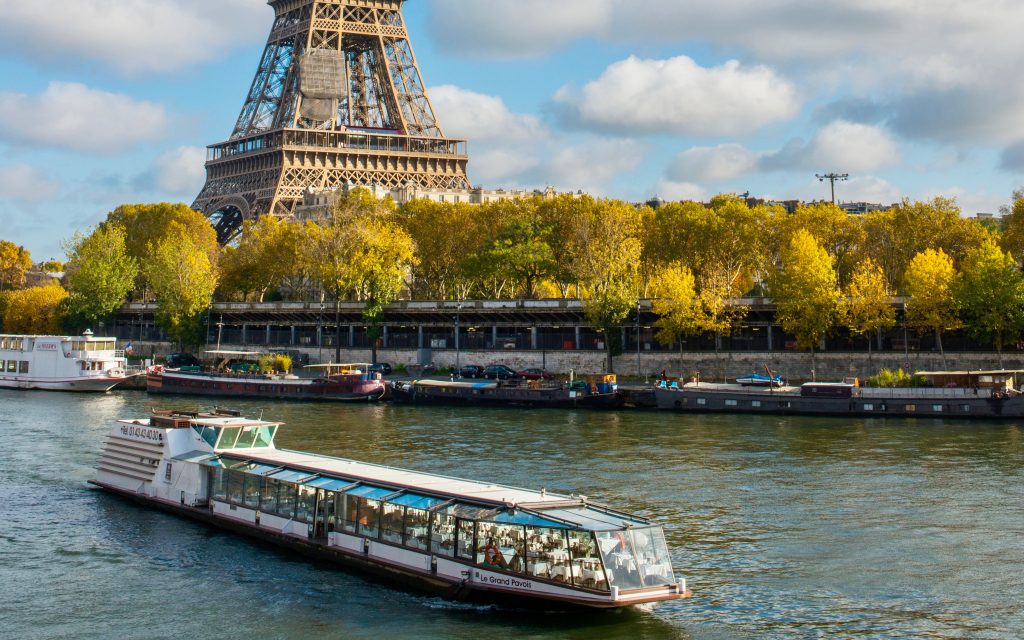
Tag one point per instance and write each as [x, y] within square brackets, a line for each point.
[338, 99]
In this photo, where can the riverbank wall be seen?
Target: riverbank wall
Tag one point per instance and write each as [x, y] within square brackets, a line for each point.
[792, 365]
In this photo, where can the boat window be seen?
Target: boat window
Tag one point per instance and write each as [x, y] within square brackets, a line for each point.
[392, 526]
[586, 564]
[417, 528]
[286, 500]
[465, 544]
[227, 438]
[442, 539]
[653, 559]
[208, 434]
[219, 485]
[246, 437]
[235, 486]
[869, 407]
[264, 436]
[268, 495]
[937, 408]
[306, 504]
[252, 491]
[620, 563]
[501, 546]
[349, 512]
[547, 555]
[369, 518]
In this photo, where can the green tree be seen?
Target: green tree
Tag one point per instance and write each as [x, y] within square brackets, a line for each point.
[522, 247]
[677, 305]
[446, 235]
[990, 292]
[99, 275]
[805, 292]
[266, 254]
[866, 305]
[929, 284]
[148, 225]
[36, 310]
[183, 278]
[1012, 239]
[14, 262]
[606, 256]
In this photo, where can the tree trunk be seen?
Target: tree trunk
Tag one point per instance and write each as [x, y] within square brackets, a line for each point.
[337, 330]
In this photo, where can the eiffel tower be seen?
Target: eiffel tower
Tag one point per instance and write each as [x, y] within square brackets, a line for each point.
[338, 99]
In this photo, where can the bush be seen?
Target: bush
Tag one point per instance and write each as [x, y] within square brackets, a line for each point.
[278, 362]
[899, 379]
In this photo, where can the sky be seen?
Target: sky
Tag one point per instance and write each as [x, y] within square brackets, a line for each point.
[115, 101]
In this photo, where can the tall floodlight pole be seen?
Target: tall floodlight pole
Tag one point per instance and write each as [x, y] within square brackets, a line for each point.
[833, 178]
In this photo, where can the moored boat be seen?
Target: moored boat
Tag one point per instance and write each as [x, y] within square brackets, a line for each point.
[62, 363]
[336, 383]
[595, 392]
[760, 380]
[953, 394]
[459, 538]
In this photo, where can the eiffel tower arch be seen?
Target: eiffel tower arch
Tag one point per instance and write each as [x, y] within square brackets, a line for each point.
[338, 99]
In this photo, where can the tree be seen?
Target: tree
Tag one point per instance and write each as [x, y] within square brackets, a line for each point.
[266, 254]
[1012, 239]
[606, 255]
[677, 305]
[929, 283]
[522, 247]
[990, 292]
[805, 292]
[866, 305]
[147, 225]
[182, 276]
[839, 233]
[36, 310]
[446, 236]
[389, 253]
[100, 274]
[14, 262]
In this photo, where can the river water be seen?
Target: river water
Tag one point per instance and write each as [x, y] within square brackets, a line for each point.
[783, 527]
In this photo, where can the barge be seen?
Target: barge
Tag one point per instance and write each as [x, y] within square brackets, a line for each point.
[337, 383]
[62, 363]
[953, 394]
[596, 392]
[461, 539]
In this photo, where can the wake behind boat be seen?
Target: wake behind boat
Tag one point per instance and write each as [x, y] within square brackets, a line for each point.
[460, 538]
[62, 363]
[335, 382]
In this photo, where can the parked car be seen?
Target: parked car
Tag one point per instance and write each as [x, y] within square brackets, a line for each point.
[179, 360]
[471, 371]
[535, 374]
[499, 372]
[382, 368]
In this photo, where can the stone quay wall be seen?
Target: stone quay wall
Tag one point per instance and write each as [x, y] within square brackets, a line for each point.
[791, 365]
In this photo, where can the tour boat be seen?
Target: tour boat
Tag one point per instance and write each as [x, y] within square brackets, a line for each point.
[597, 392]
[337, 383]
[952, 394]
[61, 363]
[461, 539]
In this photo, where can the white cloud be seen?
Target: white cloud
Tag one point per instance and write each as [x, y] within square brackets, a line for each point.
[840, 145]
[674, 191]
[591, 165]
[131, 36]
[181, 171]
[73, 116]
[514, 28]
[475, 116]
[678, 95]
[714, 163]
[22, 182]
[940, 70]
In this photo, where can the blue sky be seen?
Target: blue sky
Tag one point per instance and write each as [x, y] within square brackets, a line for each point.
[621, 98]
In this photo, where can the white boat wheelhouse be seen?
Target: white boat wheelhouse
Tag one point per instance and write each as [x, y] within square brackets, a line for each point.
[61, 363]
[469, 535]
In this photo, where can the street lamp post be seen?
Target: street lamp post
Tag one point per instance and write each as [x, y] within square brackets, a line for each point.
[220, 329]
[458, 311]
[320, 334]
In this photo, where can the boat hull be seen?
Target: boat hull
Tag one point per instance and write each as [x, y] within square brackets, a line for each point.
[697, 400]
[77, 385]
[319, 390]
[425, 581]
[514, 397]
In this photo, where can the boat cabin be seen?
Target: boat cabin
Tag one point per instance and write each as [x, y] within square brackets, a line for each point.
[827, 390]
[999, 380]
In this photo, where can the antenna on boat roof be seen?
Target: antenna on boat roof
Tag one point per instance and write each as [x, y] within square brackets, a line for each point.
[261, 415]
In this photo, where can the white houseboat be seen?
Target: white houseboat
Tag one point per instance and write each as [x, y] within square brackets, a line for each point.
[462, 539]
[61, 363]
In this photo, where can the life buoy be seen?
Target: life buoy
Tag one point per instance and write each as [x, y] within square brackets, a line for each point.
[492, 555]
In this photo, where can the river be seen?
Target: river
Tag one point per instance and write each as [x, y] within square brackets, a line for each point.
[783, 527]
